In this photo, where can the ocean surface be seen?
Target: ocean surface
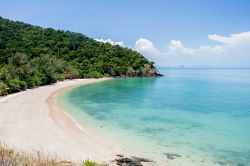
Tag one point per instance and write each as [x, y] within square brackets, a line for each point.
[188, 117]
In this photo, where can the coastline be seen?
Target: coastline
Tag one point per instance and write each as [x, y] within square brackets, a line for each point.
[32, 120]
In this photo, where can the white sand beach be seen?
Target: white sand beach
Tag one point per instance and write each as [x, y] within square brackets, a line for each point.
[30, 120]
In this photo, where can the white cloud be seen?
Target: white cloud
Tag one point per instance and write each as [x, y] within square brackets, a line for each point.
[232, 39]
[148, 49]
[232, 50]
[120, 43]
[145, 46]
[176, 46]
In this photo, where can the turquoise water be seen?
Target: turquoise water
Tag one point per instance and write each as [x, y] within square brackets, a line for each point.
[201, 114]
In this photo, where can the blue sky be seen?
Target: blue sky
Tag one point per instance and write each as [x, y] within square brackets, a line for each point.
[154, 24]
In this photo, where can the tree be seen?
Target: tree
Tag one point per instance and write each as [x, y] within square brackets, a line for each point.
[32, 56]
[16, 85]
[3, 88]
[18, 59]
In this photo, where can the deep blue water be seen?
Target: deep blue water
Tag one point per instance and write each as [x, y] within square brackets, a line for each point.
[201, 114]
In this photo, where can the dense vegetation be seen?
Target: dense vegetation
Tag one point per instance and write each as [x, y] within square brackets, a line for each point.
[32, 56]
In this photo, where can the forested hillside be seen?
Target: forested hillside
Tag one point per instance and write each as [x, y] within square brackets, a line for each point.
[32, 56]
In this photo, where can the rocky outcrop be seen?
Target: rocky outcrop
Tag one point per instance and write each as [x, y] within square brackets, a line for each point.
[130, 161]
[145, 71]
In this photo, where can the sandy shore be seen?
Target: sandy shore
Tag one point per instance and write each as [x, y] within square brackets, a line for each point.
[30, 120]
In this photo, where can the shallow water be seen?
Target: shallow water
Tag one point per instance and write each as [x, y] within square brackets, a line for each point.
[203, 115]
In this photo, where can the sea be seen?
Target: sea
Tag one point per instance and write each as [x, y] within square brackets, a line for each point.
[196, 117]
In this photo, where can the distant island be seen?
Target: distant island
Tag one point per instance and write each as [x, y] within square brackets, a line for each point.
[31, 56]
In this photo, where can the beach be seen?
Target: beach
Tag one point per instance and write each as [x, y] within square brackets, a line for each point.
[31, 121]
[135, 117]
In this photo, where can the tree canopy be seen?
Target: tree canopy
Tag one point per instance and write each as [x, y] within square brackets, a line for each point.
[31, 56]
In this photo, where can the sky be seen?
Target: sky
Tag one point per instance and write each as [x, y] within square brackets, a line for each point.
[169, 32]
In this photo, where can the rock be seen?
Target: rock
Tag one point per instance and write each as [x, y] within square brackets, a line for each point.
[141, 159]
[119, 155]
[133, 161]
[172, 156]
[124, 161]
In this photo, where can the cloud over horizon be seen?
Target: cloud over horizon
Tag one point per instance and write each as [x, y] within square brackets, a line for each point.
[232, 50]
[228, 51]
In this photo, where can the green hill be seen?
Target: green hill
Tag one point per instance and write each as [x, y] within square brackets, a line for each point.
[32, 56]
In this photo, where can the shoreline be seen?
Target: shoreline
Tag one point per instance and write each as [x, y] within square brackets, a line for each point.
[32, 120]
